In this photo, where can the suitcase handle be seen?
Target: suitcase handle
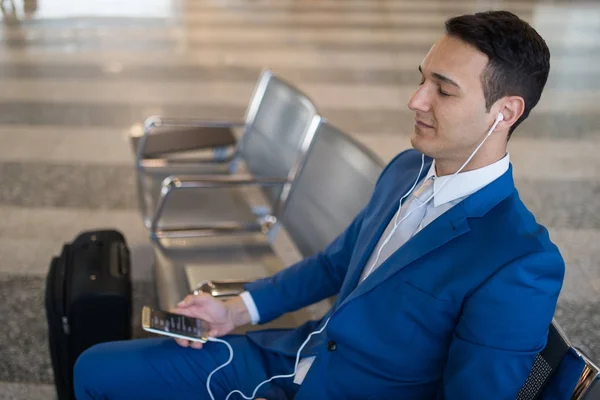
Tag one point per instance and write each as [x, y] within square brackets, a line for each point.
[119, 259]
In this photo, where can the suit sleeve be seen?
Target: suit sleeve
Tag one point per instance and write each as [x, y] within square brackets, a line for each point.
[504, 324]
[308, 281]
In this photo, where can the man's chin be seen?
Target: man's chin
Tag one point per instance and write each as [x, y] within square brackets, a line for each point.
[419, 143]
[416, 141]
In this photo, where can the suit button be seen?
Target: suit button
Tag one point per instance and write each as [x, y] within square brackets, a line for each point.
[331, 346]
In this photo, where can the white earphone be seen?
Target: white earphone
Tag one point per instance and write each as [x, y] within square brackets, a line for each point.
[499, 118]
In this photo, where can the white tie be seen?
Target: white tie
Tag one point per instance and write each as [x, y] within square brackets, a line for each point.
[409, 219]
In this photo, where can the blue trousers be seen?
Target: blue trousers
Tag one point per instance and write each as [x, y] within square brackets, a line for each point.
[161, 369]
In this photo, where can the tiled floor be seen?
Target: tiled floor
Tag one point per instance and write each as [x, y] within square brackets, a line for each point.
[77, 76]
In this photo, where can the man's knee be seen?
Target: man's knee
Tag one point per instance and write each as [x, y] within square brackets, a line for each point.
[159, 368]
[137, 369]
[91, 373]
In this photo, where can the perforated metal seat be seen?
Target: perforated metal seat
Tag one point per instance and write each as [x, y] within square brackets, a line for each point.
[335, 183]
[270, 146]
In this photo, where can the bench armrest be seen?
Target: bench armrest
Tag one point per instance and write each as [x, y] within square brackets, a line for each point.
[163, 136]
[588, 380]
[221, 288]
[176, 183]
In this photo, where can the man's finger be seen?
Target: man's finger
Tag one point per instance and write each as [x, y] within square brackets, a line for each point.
[190, 312]
[182, 342]
[196, 345]
[195, 300]
[185, 302]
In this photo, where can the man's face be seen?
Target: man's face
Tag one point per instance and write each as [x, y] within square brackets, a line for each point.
[450, 113]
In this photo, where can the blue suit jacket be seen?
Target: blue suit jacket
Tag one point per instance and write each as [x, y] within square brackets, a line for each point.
[459, 312]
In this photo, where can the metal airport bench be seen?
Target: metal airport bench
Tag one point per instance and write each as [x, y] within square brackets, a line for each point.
[272, 141]
[334, 182]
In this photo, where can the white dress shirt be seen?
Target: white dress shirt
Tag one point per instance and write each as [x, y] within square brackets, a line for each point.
[461, 186]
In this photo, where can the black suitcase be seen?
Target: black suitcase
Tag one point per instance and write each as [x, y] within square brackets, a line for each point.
[88, 300]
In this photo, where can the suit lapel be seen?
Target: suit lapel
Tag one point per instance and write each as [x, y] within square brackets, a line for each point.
[374, 232]
[442, 230]
[375, 229]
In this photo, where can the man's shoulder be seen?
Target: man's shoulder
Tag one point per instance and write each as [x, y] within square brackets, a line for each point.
[517, 224]
[510, 245]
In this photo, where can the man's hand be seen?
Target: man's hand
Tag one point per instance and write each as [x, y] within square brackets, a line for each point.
[222, 317]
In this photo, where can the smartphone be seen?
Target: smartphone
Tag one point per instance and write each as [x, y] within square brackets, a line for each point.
[174, 325]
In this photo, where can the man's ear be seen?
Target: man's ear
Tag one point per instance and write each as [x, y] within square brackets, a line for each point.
[512, 108]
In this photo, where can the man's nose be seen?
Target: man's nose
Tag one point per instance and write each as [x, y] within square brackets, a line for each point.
[420, 100]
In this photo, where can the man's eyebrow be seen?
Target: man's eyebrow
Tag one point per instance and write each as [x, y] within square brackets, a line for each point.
[442, 78]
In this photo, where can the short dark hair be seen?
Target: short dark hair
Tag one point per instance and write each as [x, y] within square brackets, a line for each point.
[519, 59]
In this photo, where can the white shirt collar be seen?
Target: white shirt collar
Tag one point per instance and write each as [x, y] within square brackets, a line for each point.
[466, 183]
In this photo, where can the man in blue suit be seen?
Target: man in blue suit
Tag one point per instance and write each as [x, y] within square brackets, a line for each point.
[445, 283]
